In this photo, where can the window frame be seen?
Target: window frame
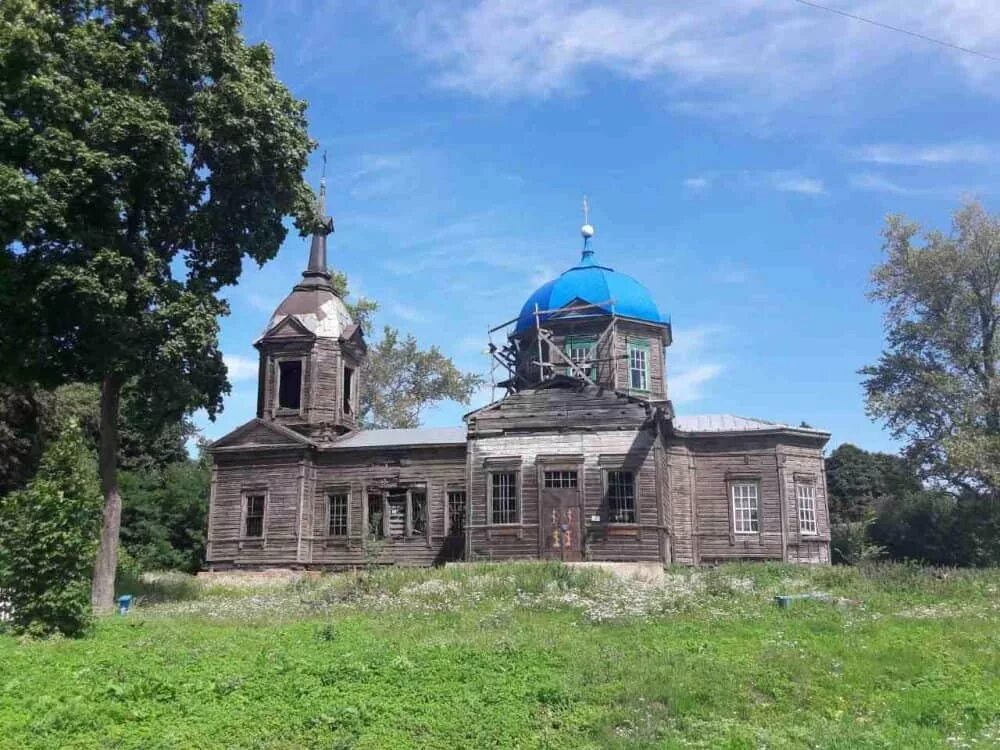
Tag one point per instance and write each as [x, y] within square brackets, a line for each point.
[329, 494]
[643, 346]
[448, 492]
[606, 471]
[574, 341]
[811, 487]
[245, 494]
[518, 495]
[735, 517]
[278, 408]
[347, 405]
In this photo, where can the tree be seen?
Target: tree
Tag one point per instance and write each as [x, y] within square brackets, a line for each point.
[48, 539]
[145, 150]
[399, 378]
[936, 384]
[857, 479]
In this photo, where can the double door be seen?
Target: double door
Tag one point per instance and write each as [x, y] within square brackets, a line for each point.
[560, 510]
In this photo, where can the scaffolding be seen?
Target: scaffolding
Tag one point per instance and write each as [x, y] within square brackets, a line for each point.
[549, 357]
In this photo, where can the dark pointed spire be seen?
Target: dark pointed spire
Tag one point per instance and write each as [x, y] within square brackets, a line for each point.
[317, 274]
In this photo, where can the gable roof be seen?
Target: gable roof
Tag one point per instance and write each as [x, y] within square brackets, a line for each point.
[260, 433]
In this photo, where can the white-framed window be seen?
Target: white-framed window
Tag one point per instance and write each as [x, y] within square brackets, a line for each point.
[805, 495]
[254, 511]
[746, 507]
[638, 365]
[621, 496]
[580, 349]
[336, 503]
[504, 506]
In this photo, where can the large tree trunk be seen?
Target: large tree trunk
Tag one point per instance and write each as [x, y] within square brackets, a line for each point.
[102, 593]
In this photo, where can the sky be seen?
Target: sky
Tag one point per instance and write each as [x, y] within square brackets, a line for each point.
[739, 157]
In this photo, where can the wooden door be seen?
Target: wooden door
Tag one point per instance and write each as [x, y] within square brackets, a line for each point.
[560, 510]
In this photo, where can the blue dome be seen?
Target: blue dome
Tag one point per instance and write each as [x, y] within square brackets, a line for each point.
[598, 285]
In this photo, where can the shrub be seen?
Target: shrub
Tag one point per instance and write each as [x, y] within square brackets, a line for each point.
[48, 534]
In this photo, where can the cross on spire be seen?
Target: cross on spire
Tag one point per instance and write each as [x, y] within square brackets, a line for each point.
[586, 211]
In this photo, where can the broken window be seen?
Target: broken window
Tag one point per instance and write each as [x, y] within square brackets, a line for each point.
[396, 508]
[253, 523]
[456, 512]
[338, 514]
[376, 512]
[418, 502]
[621, 497]
[290, 384]
[503, 497]
[348, 389]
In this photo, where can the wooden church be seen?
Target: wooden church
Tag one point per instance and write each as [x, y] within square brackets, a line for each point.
[582, 459]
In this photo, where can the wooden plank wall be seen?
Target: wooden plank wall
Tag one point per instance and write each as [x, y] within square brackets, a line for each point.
[638, 542]
[296, 520]
[699, 471]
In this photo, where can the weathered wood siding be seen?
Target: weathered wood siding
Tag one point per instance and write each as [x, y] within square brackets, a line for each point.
[774, 463]
[435, 470]
[592, 452]
[281, 475]
[297, 482]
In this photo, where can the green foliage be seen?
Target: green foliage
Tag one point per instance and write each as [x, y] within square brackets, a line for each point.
[937, 384]
[857, 478]
[48, 538]
[913, 667]
[164, 515]
[400, 379]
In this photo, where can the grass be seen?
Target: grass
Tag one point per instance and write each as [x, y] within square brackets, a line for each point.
[526, 655]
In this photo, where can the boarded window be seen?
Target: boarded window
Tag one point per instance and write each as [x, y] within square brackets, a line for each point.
[621, 497]
[503, 497]
[348, 389]
[418, 501]
[638, 365]
[338, 514]
[290, 384]
[376, 513]
[396, 508]
[560, 479]
[806, 496]
[253, 524]
[456, 512]
[746, 518]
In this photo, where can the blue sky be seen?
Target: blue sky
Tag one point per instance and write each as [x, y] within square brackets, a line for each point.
[739, 156]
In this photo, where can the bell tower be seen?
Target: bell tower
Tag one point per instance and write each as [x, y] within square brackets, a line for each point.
[312, 351]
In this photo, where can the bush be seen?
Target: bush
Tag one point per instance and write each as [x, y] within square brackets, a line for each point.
[48, 538]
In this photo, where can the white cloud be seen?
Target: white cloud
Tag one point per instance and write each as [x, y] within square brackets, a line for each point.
[935, 154]
[698, 184]
[789, 182]
[240, 367]
[689, 385]
[407, 312]
[758, 48]
[690, 365]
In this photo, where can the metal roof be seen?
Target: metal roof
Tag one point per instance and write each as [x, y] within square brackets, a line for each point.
[732, 423]
[596, 284]
[402, 438]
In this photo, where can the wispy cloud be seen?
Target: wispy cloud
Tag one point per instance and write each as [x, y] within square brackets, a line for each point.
[240, 367]
[933, 154]
[698, 184]
[782, 180]
[790, 182]
[756, 48]
[731, 272]
[407, 312]
[691, 365]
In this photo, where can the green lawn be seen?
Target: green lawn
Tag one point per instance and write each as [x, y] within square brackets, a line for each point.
[528, 656]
